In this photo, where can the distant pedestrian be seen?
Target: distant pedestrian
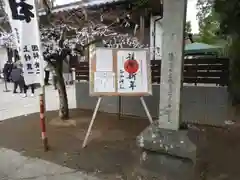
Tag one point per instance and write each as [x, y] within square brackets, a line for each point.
[17, 78]
[7, 70]
[47, 74]
[26, 87]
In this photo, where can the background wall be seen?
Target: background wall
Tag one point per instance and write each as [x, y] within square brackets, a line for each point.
[200, 104]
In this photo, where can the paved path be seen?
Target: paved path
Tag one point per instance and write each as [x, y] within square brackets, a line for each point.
[12, 105]
[14, 166]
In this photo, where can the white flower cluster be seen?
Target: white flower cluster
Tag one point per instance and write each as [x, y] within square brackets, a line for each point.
[7, 40]
[50, 38]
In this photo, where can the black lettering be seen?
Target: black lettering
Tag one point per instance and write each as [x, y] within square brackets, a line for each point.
[132, 85]
[35, 48]
[25, 10]
[35, 55]
[25, 49]
[29, 66]
[27, 57]
[121, 81]
[132, 76]
[37, 65]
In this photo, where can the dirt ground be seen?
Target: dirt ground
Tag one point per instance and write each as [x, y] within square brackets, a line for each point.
[112, 152]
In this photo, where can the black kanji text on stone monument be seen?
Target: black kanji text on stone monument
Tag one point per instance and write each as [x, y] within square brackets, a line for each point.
[25, 10]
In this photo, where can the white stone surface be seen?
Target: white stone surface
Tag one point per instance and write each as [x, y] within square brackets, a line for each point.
[14, 166]
[12, 105]
[173, 22]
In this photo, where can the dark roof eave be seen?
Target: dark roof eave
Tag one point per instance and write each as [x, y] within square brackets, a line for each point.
[78, 4]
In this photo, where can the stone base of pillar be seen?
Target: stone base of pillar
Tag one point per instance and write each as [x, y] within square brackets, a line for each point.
[171, 142]
[159, 166]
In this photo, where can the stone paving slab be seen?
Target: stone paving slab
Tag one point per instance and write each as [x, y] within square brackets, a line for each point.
[14, 166]
[12, 105]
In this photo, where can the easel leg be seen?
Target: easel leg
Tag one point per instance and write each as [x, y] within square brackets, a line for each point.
[119, 107]
[146, 110]
[91, 122]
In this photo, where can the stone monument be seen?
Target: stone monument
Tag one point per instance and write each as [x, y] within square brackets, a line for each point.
[163, 136]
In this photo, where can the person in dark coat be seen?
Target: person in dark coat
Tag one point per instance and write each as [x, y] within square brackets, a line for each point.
[7, 70]
[17, 78]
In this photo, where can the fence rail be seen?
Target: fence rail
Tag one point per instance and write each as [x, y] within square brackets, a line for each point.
[196, 71]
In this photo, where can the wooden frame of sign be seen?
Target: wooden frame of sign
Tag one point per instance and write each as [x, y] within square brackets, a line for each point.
[106, 64]
[118, 72]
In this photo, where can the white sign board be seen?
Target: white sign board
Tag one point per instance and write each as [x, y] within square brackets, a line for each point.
[24, 12]
[120, 72]
[135, 82]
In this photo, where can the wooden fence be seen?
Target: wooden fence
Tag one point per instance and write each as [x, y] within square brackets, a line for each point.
[196, 71]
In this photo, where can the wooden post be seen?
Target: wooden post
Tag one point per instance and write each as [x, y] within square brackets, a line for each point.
[43, 124]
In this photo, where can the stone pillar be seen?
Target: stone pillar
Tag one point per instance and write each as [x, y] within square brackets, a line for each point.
[164, 135]
[174, 17]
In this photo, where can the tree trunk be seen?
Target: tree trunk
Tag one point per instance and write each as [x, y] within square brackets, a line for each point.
[63, 99]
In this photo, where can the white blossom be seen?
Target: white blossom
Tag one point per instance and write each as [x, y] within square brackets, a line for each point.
[50, 38]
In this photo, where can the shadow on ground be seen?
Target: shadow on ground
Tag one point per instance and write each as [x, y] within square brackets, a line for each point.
[112, 153]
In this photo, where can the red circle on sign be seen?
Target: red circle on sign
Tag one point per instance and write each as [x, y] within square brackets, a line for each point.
[131, 66]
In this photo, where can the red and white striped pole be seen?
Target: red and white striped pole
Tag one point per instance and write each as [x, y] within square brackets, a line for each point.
[43, 124]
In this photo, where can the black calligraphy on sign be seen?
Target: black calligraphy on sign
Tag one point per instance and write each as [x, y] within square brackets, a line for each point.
[25, 49]
[35, 51]
[25, 10]
[26, 54]
[131, 76]
[37, 66]
[132, 84]
[121, 80]
[27, 57]
[29, 66]
[17, 34]
[35, 48]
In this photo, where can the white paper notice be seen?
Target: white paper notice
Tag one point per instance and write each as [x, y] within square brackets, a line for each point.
[104, 82]
[104, 59]
[137, 82]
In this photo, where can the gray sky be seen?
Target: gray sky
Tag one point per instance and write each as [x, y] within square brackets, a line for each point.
[191, 12]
